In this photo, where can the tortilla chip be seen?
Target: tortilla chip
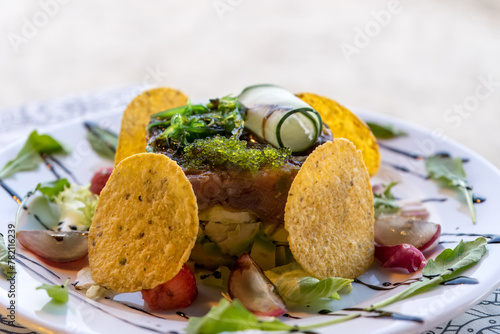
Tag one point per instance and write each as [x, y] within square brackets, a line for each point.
[145, 224]
[345, 124]
[132, 138]
[329, 212]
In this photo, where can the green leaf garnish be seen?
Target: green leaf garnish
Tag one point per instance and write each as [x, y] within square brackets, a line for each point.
[386, 131]
[295, 285]
[58, 293]
[385, 202]
[52, 188]
[102, 141]
[445, 267]
[449, 173]
[29, 156]
[233, 316]
[8, 266]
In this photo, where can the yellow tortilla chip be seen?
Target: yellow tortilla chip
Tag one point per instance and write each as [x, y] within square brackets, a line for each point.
[329, 212]
[145, 224]
[345, 124]
[132, 138]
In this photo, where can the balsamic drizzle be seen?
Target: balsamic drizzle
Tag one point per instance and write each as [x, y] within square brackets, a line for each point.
[19, 200]
[493, 238]
[50, 166]
[433, 200]
[133, 307]
[402, 152]
[287, 315]
[38, 264]
[406, 170]
[34, 271]
[415, 156]
[64, 168]
[216, 274]
[461, 280]
[11, 192]
[387, 285]
[377, 314]
[478, 200]
[181, 314]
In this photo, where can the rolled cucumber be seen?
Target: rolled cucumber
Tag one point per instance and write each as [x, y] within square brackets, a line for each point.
[280, 118]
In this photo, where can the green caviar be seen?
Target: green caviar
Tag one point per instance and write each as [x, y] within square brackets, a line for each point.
[231, 153]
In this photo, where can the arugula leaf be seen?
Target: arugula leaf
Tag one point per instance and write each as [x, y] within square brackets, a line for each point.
[449, 173]
[297, 286]
[8, 267]
[445, 267]
[451, 262]
[58, 293]
[52, 188]
[233, 316]
[102, 141]
[28, 157]
[386, 131]
[385, 202]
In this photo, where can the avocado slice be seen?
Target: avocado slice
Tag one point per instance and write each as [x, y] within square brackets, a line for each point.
[232, 238]
[209, 256]
[283, 255]
[263, 252]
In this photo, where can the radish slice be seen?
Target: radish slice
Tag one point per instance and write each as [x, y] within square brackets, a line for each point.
[391, 230]
[254, 290]
[402, 256]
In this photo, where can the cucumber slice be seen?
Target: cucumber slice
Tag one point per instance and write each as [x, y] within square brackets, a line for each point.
[280, 118]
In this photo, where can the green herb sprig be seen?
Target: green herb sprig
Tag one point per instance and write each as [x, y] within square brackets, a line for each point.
[183, 125]
[30, 155]
[385, 202]
[449, 173]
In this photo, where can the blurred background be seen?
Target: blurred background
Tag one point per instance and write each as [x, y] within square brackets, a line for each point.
[434, 63]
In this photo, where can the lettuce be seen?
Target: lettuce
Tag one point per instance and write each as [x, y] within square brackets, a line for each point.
[297, 286]
[76, 203]
[77, 206]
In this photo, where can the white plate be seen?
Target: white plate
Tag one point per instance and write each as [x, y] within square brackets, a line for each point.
[81, 315]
